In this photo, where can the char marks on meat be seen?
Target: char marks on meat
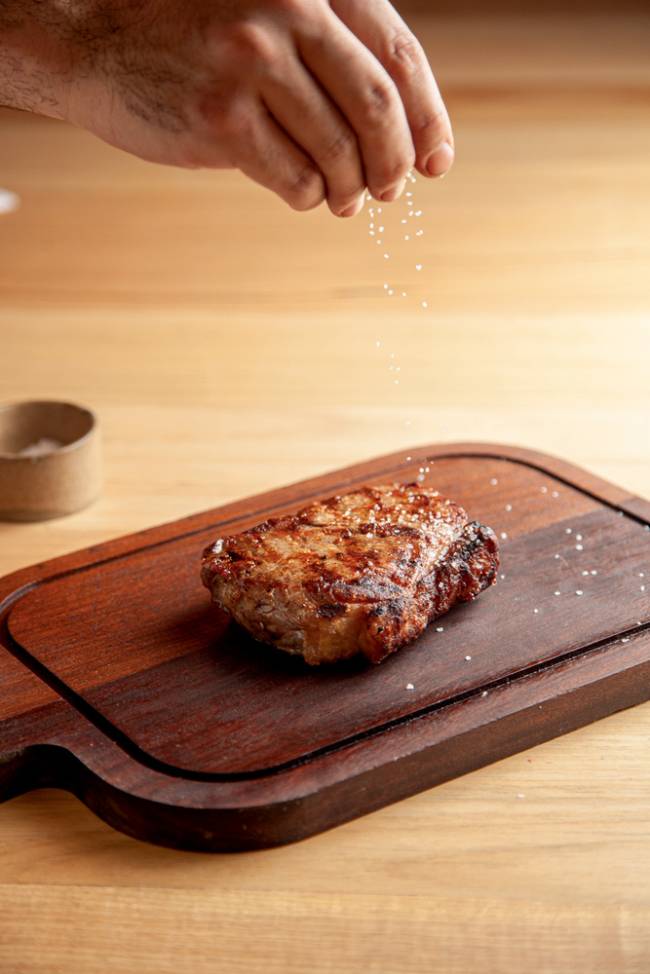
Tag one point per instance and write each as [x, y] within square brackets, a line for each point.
[365, 571]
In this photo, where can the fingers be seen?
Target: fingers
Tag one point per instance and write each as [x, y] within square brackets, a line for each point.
[367, 97]
[377, 24]
[317, 126]
[255, 143]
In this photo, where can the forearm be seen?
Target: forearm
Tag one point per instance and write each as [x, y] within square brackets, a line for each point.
[35, 55]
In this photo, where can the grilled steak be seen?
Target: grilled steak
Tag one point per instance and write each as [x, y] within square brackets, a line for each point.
[362, 572]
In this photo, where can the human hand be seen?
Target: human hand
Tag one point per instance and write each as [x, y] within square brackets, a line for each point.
[312, 99]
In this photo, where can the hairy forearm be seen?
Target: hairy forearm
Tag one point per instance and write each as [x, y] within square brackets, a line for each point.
[36, 54]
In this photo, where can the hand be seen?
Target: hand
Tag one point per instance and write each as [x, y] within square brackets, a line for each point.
[312, 99]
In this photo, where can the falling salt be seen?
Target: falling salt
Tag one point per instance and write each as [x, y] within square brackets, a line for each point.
[508, 507]
[579, 591]
[536, 611]
[569, 531]
[484, 694]
[440, 628]
[494, 482]
[418, 267]
[520, 794]
[502, 577]
[579, 547]
[468, 658]
[554, 493]
[557, 592]
[503, 535]
[409, 686]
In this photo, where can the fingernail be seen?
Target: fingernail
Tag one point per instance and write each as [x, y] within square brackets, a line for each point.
[393, 194]
[440, 161]
[354, 208]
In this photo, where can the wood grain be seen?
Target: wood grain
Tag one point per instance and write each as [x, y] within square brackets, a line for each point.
[169, 301]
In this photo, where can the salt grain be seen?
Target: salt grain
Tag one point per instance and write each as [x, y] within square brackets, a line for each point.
[579, 591]
[409, 686]
[503, 535]
[468, 658]
[494, 482]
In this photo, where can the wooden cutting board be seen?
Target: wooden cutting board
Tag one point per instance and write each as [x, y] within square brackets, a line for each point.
[122, 683]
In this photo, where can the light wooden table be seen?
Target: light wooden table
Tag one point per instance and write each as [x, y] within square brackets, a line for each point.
[229, 346]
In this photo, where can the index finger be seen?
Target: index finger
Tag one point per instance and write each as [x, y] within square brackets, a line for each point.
[378, 25]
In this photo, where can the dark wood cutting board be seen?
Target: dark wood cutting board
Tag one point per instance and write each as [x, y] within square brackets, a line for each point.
[122, 683]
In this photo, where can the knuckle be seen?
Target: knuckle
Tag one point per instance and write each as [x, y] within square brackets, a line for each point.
[378, 100]
[289, 8]
[306, 190]
[341, 147]
[432, 124]
[404, 55]
[392, 170]
[251, 43]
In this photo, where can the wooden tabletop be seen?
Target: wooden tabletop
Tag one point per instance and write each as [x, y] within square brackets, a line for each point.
[230, 346]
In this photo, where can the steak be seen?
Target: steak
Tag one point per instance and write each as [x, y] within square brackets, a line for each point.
[362, 572]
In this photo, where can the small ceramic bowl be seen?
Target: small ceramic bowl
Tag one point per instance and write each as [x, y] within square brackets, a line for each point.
[50, 461]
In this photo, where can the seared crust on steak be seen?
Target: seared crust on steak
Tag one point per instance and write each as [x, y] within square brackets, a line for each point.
[362, 572]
